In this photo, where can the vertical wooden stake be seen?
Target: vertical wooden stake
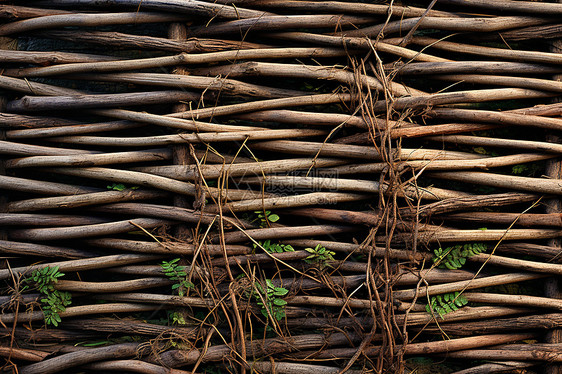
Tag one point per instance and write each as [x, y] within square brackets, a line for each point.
[552, 285]
[178, 31]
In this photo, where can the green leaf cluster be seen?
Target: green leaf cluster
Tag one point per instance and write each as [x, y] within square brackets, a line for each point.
[528, 170]
[443, 304]
[519, 169]
[55, 301]
[120, 187]
[269, 299]
[265, 217]
[45, 278]
[177, 273]
[274, 247]
[319, 255]
[455, 257]
[484, 151]
[177, 318]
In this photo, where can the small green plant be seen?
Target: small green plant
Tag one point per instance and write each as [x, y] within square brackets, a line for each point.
[319, 255]
[120, 187]
[44, 279]
[484, 151]
[455, 257]
[93, 344]
[55, 301]
[177, 273]
[274, 247]
[528, 170]
[519, 169]
[443, 304]
[269, 299]
[265, 217]
[176, 318]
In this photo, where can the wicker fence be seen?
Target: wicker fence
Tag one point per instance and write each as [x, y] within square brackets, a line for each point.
[280, 186]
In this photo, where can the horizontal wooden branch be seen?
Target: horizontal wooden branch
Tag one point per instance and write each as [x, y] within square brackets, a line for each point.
[161, 183]
[41, 250]
[256, 168]
[290, 367]
[493, 280]
[534, 185]
[359, 43]
[48, 58]
[82, 200]
[82, 264]
[225, 86]
[305, 100]
[349, 7]
[146, 42]
[114, 286]
[151, 298]
[182, 59]
[547, 9]
[353, 248]
[469, 24]
[193, 7]
[52, 131]
[473, 67]
[494, 235]
[515, 300]
[309, 199]
[534, 321]
[313, 118]
[313, 183]
[167, 248]
[463, 97]
[331, 73]
[466, 313]
[282, 233]
[360, 152]
[169, 121]
[14, 12]
[84, 19]
[471, 202]
[125, 326]
[50, 103]
[21, 149]
[43, 187]
[23, 354]
[496, 53]
[178, 358]
[160, 211]
[339, 215]
[538, 84]
[209, 137]
[538, 354]
[504, 218]
[441, 346]
[91, 159]
[261, 258]
[10, 120]
[550, 31]
[69, 360]
[280, 22]
[20, 219]
[76, 232]
[82, 310]
[551, 254]
[521, 265]
[132, 365]
[530, 145]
